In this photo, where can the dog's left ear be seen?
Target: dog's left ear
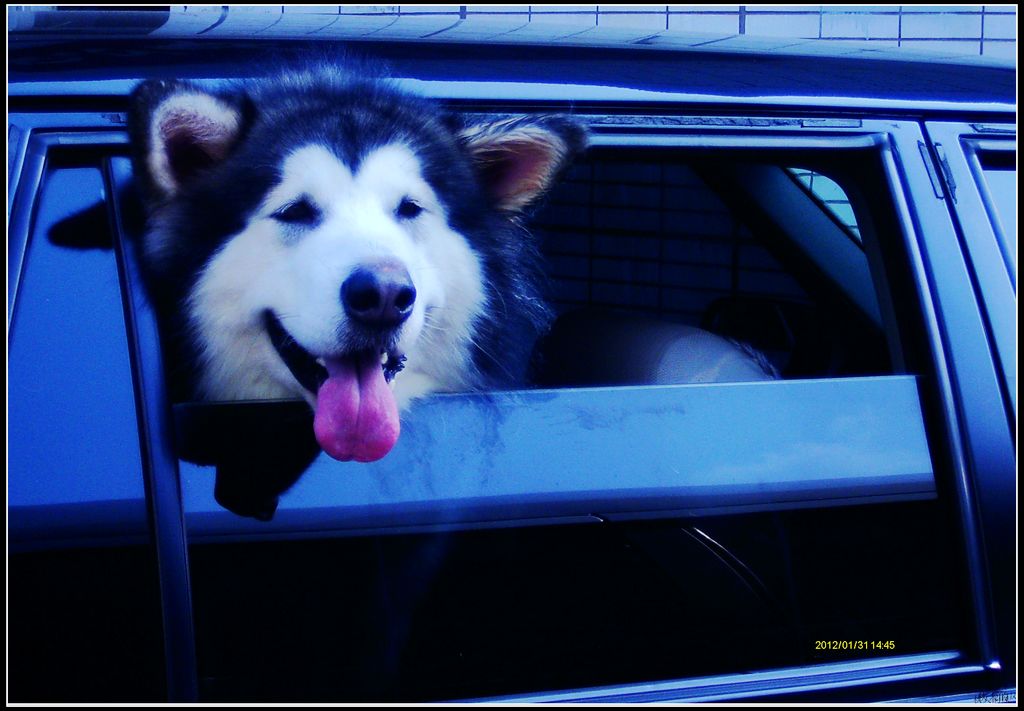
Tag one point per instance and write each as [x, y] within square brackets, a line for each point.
[517, 159]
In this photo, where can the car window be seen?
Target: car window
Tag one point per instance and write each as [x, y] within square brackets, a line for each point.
[831, 195]
[69, 356]
[644, 249]
[526, 610]
[1001, 179]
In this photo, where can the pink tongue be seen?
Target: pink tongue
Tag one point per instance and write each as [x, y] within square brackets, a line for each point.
[356, 415]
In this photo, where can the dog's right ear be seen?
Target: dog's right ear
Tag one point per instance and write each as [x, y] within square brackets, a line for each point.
[178, 130]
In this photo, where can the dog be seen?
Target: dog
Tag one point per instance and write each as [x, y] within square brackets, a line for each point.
[330, 237]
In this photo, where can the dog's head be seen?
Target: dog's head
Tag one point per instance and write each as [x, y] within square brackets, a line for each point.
[320, 233]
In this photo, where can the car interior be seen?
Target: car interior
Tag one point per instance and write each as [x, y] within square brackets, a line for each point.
[649, 251]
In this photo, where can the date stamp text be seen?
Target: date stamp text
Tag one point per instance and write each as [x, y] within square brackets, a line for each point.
[854, 645]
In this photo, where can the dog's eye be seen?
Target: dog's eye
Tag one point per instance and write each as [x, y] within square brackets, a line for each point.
[300, 212]
[408, 209]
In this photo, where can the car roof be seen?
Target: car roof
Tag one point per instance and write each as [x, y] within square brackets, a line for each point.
[599, 63]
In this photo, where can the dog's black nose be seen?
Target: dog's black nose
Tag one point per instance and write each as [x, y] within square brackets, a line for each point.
[379, 295]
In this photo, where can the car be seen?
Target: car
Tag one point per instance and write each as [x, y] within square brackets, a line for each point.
[843, 532]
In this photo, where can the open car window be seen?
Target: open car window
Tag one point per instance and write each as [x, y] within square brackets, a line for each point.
[645, 246]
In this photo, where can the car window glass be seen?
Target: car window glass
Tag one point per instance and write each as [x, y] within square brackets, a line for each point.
[526, 610]
[73, 430]
[831, 196]
[1001, 179]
